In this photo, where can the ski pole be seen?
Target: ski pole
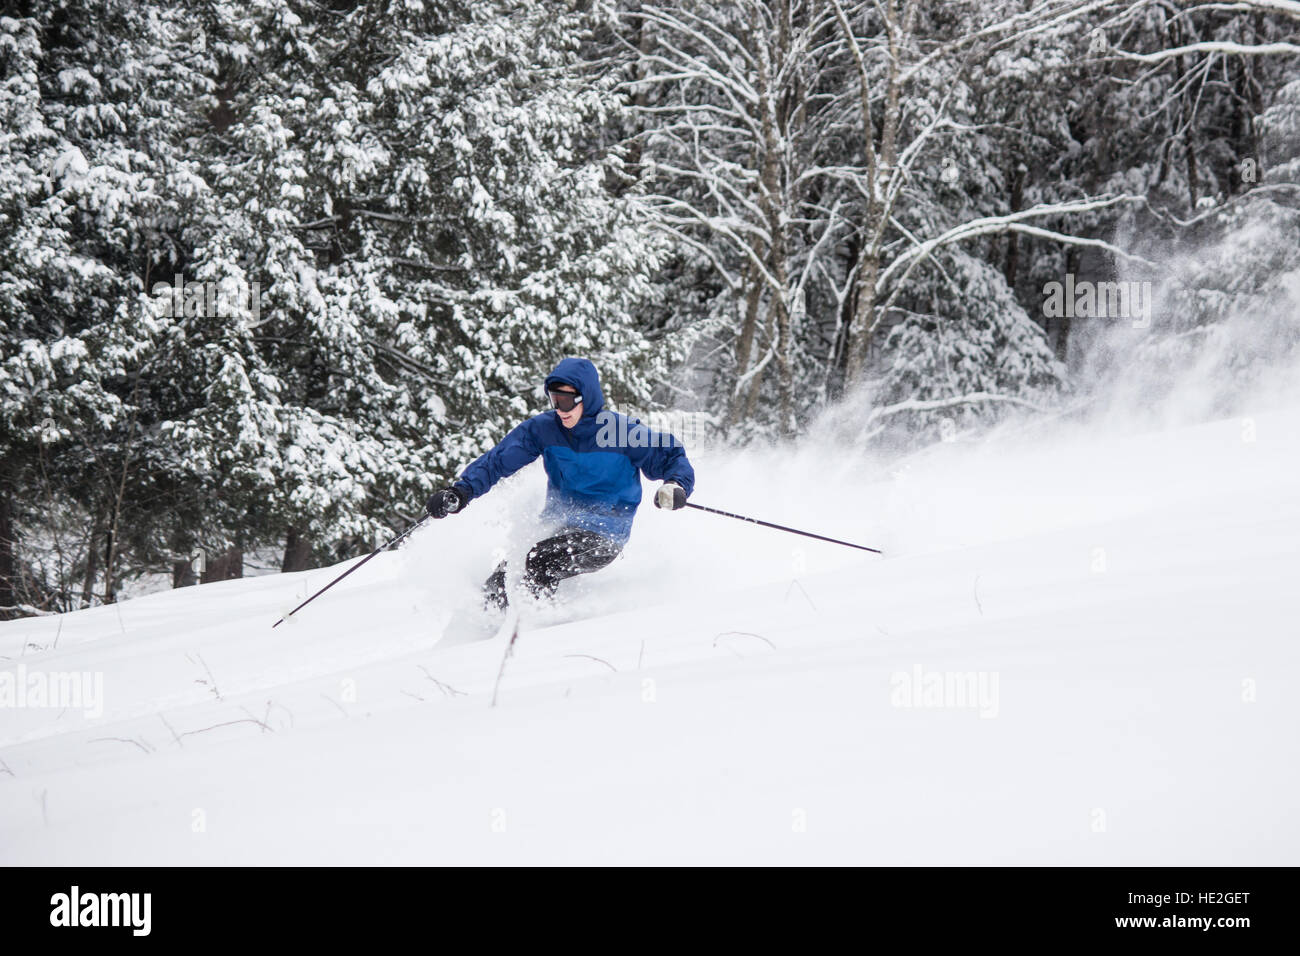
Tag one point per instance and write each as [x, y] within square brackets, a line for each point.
[779, 527]
[384, 547]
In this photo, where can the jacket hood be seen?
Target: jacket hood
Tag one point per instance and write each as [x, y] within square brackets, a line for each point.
[582, 375]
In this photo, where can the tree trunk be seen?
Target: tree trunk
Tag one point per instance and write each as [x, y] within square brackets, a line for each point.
[756, 383]
[773, 52]
[1013, 238]
[784, 359]
[183, 575]
[109, 555]
[882, 170]
[224, 567]
[643, 40]
[297, 552]
[92, 567]
[1193, 180]
[1061, 341]
[8, 561]
[745, 343]
[864, 310]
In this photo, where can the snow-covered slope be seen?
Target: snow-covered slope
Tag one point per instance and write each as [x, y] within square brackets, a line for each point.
[1077, 650]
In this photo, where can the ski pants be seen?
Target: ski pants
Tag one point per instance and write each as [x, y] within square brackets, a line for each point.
[570, 552]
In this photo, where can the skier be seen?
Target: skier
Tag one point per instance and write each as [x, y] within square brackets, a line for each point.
[592, 457]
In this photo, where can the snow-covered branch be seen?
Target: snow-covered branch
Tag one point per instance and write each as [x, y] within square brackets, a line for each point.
[938, 404]
[1209, 46]
[986, 225]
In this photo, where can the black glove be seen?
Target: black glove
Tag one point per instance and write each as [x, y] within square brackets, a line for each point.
[447, 501]
[671, 496]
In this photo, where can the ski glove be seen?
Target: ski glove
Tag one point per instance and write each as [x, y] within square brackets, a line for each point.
[671, 496]
[445, 502]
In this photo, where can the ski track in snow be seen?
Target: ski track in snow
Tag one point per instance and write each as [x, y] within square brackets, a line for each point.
[724, 693]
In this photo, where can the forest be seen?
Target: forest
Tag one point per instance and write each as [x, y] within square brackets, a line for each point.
[272, 270]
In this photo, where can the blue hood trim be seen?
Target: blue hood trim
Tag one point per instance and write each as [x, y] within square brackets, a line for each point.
[582, 375]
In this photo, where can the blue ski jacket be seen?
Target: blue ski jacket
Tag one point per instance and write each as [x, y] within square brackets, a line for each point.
[592, 468]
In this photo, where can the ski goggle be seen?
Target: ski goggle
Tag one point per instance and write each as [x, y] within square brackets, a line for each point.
[564, 401]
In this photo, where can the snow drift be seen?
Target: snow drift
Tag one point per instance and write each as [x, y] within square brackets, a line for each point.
[1079, 648]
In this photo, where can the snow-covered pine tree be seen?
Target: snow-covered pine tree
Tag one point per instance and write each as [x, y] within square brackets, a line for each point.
[422, 196]
[965, 357]
[92, 180]
[422, 192]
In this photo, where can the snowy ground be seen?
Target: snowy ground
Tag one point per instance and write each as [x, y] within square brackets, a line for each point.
[1122, 609]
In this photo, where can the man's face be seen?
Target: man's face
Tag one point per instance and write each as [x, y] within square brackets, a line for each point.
[570, 418]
